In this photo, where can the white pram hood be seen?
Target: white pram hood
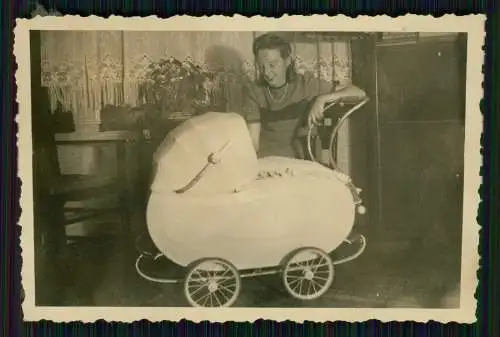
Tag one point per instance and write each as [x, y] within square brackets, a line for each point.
[185, 151]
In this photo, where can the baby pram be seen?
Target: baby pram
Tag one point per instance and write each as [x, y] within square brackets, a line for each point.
[223, 214]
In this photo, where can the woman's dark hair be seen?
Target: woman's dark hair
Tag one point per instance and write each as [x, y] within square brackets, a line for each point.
[272, 41]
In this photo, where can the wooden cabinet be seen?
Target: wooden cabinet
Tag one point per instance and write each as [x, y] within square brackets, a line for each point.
[408, 148]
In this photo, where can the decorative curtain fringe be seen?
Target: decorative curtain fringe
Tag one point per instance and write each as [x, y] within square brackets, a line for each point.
[86, 103]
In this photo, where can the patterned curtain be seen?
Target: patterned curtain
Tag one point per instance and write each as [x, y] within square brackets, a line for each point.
[82, 70]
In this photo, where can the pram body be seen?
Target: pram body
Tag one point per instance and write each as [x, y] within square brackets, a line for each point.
[219, 211]
[257, 226]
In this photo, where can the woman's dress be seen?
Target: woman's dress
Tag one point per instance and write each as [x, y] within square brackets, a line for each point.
[282, 114]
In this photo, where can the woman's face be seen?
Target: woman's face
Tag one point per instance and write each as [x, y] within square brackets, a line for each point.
[273, 67]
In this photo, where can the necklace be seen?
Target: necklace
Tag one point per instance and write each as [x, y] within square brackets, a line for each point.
[282, 96]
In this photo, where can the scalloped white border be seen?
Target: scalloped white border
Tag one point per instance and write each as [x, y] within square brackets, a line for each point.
[471, 24]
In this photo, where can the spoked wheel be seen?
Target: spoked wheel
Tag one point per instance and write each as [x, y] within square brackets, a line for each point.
[308, 273]
[212, 283]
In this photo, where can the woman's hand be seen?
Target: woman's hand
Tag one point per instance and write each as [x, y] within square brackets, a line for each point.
[316, 113]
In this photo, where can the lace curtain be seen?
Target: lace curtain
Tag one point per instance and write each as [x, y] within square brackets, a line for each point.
[85, 70]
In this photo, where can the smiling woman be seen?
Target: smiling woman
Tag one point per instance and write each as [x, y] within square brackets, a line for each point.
[281, 102]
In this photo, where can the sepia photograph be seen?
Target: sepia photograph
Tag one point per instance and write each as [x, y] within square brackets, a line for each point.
[210, 170]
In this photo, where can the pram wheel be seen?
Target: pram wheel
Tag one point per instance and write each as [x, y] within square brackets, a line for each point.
[212, 282]
[308, 273]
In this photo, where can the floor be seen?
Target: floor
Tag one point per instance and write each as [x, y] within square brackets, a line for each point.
[394, 271]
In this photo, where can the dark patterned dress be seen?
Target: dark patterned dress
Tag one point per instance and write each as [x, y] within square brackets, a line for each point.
[283, 114]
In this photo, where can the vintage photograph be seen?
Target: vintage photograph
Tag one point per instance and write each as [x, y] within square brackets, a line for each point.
[235, 170]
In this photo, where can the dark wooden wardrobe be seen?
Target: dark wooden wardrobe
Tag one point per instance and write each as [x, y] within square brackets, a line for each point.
[407, 145]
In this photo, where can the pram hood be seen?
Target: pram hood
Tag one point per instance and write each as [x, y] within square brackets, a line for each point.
[185, 153]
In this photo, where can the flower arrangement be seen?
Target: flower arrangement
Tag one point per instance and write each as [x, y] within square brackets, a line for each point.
[171, 85]
[171, 91]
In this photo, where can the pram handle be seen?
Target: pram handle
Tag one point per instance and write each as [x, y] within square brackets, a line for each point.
[335, 131]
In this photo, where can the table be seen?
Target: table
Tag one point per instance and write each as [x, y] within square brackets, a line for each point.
[121, 139]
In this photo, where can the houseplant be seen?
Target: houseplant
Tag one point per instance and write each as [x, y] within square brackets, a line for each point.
[169, 86]
[173, 86]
